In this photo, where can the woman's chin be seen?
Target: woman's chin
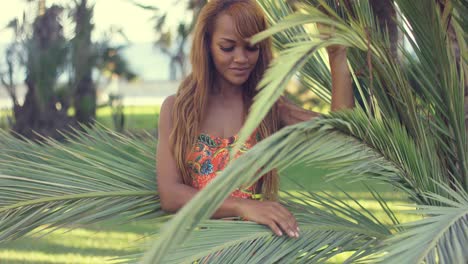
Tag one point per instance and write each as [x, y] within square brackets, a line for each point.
[238, 80]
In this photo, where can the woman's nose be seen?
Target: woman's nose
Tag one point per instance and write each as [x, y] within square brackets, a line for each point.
[241, 56]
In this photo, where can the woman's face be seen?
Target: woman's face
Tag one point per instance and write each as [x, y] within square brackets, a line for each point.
[233, 57]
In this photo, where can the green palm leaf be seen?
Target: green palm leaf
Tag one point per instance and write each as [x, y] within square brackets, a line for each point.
[393, 142]
[397, 98]
[419, 140]
[222, 241]
[409, 132]
[310, 142]
[441, 237]
[94, 176]
[318, 80]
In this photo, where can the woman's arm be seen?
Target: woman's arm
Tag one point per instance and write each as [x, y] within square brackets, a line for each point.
[291, 114]
[342, 91]
[174, 194]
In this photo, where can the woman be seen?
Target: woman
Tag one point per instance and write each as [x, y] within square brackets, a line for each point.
[199, 124]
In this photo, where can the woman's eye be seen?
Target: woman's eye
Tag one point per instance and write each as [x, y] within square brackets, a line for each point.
[252, 48]
[227, 49]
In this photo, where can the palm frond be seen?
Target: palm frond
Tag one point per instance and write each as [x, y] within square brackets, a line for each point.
[405, 128]
[143, 6]
[410, 134]
[393, 142]
[315, 74]
[441, 237]
[324, 234]
[95, 175]
[308, 142]
[301, 56]
[440, 77]
[430, 113]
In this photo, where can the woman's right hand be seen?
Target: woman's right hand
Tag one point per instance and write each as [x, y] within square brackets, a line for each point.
[271, 214]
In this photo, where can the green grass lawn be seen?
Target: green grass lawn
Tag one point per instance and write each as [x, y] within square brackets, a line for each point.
[137, 118]
[101, 241]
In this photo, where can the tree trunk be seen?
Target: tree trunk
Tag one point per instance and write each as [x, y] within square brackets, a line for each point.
[42, 113]
[34, 122]
[85, 101]
[85, 91]
[386, 15]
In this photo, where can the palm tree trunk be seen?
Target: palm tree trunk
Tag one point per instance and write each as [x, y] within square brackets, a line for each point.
[84, 92]
[42, 112]
[386, 14]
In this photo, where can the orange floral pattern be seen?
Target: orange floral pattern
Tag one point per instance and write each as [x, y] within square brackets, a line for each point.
[210, 155]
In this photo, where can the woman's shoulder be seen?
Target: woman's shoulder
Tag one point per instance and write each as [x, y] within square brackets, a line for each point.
[165, 114]
[168, 104]
[169, 101]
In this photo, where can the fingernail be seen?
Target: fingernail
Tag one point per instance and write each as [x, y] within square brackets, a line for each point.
[297, 234]
[280, 233]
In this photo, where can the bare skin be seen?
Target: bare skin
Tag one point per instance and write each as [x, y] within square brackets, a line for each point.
[234, 59]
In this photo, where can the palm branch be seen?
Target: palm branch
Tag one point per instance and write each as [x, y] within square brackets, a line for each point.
[217, 241]
[96, 175]
[412, 125]
[408, 132]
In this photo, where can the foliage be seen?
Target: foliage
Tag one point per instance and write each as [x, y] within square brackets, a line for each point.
[172, 40]
[415, 131]
[89, 174]
[46, 55]
[408, 132]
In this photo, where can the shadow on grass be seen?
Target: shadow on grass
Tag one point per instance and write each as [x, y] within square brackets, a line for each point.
[313, 180]
[94, 244]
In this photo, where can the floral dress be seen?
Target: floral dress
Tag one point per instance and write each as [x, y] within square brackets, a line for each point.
[210, 155]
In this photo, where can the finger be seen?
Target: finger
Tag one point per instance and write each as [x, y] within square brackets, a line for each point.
[291, 220]
[288, 219]
[275, 228]
[282, 222]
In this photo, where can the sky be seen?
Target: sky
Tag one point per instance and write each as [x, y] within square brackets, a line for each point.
[136, 22]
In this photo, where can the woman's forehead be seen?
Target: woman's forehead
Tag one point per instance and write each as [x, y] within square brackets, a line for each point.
[225, 29]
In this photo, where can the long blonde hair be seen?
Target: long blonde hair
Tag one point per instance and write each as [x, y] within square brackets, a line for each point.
[192, 95]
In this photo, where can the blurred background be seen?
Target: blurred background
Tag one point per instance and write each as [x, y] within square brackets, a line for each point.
[64, 62]
[70, 62]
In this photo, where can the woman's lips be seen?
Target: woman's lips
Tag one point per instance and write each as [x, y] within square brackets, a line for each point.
[240, 71]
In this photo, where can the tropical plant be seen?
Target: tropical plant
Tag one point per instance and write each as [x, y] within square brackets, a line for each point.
[408, 132]
[96, 175]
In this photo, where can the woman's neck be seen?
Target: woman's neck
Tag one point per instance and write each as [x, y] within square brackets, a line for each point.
[224, 89]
